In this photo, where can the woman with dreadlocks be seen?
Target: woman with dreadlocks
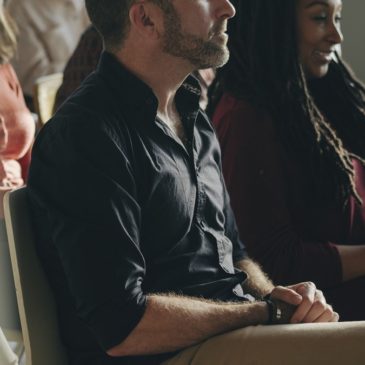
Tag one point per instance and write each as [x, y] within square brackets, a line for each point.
[290, 116]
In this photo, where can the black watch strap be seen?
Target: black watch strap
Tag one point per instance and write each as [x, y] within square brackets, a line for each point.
[275, 313]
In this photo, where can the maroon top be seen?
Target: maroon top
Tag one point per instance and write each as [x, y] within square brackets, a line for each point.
[288, 231]
[81, 63]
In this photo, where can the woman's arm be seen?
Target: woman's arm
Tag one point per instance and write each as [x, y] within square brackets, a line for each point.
[353, 261]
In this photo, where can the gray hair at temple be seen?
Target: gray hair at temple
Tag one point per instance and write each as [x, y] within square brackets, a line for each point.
[7, 35]
[111, 19]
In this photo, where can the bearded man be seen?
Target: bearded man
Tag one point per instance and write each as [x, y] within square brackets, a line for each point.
[133, 219]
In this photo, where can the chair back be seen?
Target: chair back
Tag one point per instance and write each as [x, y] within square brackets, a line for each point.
[9, 317]
[7, 356]
[45, 90]
[36, 305]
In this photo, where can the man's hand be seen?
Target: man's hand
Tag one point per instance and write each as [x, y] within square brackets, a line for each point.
[303, 303]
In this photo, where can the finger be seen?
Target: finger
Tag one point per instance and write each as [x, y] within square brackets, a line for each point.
[328, 316]
[336, 317]
[286, 295]
[317, 310]
[307, 291]
[318, 307]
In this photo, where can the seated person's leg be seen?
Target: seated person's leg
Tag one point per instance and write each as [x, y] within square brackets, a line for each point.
[301, 344]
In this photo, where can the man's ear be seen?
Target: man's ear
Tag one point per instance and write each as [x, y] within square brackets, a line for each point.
[146, 18]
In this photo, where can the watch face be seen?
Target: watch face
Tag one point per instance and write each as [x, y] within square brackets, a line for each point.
[278, 314]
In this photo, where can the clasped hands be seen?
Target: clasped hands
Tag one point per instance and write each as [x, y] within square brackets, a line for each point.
[302, 303]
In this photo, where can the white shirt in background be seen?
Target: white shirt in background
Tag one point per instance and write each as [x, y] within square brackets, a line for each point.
[48, 33]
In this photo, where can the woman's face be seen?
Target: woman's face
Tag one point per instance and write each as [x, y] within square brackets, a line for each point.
[319, 33]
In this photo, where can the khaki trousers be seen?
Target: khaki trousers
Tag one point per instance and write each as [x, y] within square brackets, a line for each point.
[300, 344]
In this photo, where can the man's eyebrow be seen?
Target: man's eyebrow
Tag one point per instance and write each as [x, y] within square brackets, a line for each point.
[317, 2]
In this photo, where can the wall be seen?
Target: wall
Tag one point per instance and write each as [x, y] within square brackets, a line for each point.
[353, 28]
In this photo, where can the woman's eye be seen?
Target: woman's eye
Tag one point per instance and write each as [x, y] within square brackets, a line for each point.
[338, 18]
[320, 18]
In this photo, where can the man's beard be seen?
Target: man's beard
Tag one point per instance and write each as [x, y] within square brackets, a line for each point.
[199, 52]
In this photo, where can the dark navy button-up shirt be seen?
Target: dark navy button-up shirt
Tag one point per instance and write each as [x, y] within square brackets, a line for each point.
[123, 208]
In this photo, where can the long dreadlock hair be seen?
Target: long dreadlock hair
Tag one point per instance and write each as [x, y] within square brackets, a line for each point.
[321, 121]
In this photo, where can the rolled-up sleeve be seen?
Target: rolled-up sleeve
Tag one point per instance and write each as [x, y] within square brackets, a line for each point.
[81, 176]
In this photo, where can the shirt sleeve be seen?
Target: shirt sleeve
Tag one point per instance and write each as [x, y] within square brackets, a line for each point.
[259, 195]
[231, 231]
[82, 177]
[239, 250]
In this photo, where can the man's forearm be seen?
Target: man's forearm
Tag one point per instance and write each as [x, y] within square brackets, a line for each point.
[257, 283]
[172, 323]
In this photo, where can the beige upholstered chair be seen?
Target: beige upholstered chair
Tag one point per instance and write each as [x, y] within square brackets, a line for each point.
[36, 304]
[9, 317]
[45, 90]
[7, 356]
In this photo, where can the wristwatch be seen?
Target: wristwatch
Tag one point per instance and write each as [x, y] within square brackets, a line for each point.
[275, 313]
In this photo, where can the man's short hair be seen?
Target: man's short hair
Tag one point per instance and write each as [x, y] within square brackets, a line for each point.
[111, 19]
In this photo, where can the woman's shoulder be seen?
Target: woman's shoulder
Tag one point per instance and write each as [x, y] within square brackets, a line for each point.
[240, 115]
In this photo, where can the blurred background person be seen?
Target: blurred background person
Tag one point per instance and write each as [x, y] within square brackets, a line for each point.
[16, 123]
[82, 62]
[291, 122]
[16, 137]
[48, 33]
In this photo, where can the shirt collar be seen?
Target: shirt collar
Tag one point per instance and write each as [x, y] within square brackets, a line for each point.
[124, 83]
[139, 96]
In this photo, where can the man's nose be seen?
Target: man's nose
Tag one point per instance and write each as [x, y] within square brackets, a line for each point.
[225, 9]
